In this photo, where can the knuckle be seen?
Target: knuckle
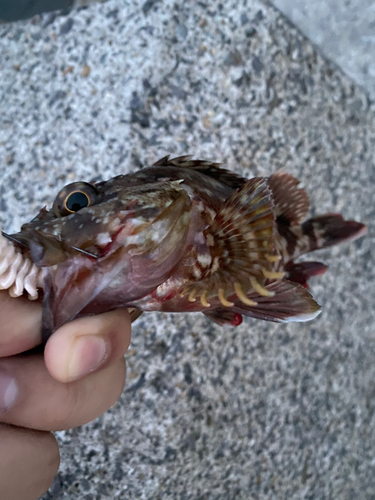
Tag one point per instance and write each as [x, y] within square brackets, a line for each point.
[88, 398]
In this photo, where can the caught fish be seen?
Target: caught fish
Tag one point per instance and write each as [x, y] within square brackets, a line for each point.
[179, 236]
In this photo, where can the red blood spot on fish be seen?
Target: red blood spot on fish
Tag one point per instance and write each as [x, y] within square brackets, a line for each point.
[237, 320]
[108, 247]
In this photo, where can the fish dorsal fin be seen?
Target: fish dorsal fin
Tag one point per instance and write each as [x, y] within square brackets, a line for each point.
[291, 202]
[240, 241]
[204, 167]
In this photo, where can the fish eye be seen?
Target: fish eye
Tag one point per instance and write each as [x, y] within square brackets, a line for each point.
[75, 201]
[74, 197]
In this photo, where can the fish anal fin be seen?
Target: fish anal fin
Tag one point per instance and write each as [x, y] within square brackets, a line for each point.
[290, 302]
[301, 272]
[291, 202]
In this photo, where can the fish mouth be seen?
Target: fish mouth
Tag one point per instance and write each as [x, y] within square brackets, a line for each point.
[43, 250]
[18, 274]
[14, 238]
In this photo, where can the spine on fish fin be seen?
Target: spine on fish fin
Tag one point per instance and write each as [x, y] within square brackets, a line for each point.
[331, 229]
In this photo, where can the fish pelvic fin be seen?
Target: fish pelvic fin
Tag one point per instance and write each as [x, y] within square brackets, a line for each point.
[241, 245]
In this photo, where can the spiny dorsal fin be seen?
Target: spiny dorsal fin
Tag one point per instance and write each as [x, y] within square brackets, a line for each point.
[241, 247]
[291, 202]
[204, 167]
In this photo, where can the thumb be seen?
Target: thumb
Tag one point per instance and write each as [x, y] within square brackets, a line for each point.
[88, 344]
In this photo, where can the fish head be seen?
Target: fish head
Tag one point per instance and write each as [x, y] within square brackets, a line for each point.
[111, 239]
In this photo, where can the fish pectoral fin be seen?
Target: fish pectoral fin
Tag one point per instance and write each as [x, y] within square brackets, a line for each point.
[241, 243]
[288, 302]
[242, 232]
[291, 202]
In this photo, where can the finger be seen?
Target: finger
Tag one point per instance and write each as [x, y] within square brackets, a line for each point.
[20, 324]
[29, 461]
[87, 344]
[33, 398]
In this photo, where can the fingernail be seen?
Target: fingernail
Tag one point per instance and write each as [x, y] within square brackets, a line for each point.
[8, 391]
[89, 352]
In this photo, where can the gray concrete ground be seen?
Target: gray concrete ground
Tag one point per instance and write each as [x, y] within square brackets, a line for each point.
[263, 411]
[343, 30]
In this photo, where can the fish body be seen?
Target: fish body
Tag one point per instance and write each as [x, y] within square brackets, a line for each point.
[180, 236]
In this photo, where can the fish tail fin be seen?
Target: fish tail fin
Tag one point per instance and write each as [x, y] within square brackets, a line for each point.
[331, 229]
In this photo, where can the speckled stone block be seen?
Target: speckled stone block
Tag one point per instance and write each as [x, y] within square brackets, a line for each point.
[261, 411]
[343, 30]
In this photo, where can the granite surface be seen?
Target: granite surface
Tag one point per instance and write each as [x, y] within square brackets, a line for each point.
[261, 411]
[343, 30]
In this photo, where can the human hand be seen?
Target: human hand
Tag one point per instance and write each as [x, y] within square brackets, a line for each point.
[80, 375]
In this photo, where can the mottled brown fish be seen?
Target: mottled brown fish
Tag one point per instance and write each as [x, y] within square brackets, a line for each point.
[181, 236]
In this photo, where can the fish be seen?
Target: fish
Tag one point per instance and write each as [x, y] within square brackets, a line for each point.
[182, 235]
